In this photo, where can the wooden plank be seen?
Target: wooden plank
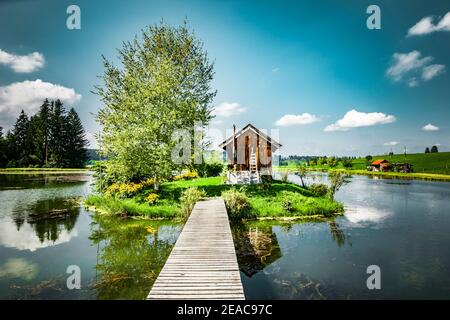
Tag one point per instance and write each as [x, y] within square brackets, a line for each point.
[202, 264]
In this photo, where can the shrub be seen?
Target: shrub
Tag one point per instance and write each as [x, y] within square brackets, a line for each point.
[319, 189]
[237, 203]
[347, 163]
[209, 169]
[152, 198]
[189, 175]
[124, 190]
[188, 199]
[337, 180]
[287, 205]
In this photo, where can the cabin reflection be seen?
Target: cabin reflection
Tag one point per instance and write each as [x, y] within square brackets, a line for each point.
[256, 247]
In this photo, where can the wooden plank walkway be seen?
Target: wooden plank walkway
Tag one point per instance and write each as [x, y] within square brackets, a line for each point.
[203, 263]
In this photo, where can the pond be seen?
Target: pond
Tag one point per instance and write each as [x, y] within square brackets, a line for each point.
[399, 225]
[43, 231]
[402, 226]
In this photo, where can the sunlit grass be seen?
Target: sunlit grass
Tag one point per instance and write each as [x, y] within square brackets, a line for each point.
[265, 200]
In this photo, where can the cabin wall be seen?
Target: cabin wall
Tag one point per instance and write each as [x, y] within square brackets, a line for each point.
[245, 144]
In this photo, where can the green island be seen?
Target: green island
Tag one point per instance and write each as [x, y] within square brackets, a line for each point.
[174, 199]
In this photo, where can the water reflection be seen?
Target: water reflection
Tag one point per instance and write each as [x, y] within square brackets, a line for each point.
[263, 263]
[40, 224]
[256, 246]
[18, 268]
[130, 255]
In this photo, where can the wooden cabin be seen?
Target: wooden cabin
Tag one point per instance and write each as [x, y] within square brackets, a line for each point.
[380, 165]
[249, 155]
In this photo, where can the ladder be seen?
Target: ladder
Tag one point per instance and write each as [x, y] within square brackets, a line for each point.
[254, 173]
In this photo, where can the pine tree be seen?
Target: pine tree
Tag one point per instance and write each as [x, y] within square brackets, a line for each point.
[23, 139]
[42, 132]
[57, 134]
[3, 159]
[75, 154]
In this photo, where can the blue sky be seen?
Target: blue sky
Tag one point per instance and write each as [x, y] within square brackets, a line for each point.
[300, 67]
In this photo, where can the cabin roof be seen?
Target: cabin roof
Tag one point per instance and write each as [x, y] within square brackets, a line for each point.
[250, 127]
[379, 161]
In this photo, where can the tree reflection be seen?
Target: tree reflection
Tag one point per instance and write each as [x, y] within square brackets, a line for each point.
[49, 217]
[337, 233]
[256, 246]
[130, 256]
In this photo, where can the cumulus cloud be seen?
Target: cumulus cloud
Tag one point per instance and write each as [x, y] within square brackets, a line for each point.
[430, 127]
[227, 109]
[28, 95]
[406, 62]
[300, 119]
[391, 143]
[429, 72]
[356, 119]
[413, 66]
[426, 25]
[22, 64]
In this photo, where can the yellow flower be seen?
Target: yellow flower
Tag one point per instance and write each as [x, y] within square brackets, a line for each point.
[152, 198]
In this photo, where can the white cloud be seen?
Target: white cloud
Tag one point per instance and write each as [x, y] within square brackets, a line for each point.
[227, 109]
[406, 62]
[426, 26]
[300, 119]
[356, 119]
[22, 64]
[391, 143]
[414, 67]
[430, 127]
[29, 95]
[429, 72]
[274, 70]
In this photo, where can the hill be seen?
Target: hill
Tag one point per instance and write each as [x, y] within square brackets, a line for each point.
[422, 162]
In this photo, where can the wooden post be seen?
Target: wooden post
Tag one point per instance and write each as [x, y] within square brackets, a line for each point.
[234, 145]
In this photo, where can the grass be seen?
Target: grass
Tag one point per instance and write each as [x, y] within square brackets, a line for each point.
[437, 163]
[130, 207]
[265, 200]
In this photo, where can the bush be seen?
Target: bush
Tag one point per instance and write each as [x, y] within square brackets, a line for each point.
[287, 205]
[347, 163]
[188, 199]
[237, 203]
[128, 190]
[152, 198]
[209, 169]
[319, 189]
[186, 176]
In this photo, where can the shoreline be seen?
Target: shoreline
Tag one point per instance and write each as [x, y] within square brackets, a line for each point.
[396, 175]
[46, 171]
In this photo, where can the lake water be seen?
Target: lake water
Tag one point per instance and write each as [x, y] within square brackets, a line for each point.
[43, 231]
[401, 226]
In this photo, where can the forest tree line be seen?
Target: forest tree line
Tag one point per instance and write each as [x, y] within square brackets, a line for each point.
[52, 138]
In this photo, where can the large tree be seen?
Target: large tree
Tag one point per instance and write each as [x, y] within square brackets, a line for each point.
[76, 142]
[57, 138]
[162, 84]
[3, 149]
[23, 143]
[42, 132]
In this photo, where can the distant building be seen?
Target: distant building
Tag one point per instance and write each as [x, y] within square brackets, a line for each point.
[402, 167]
[380, 165]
